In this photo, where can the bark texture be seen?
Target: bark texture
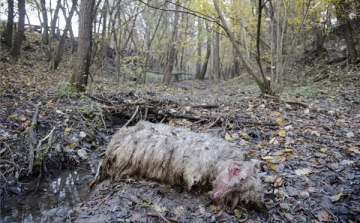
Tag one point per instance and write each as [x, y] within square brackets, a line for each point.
[15, 51]
[176, 156]
[10, 23]
[172, 50]
[84, 45]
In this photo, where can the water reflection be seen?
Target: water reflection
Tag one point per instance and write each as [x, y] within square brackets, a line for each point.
[51, 200]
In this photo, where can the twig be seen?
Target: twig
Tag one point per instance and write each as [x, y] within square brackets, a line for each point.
[214, 123]
[49, 137]
[32, 135]
[133, 116]
[157, 215]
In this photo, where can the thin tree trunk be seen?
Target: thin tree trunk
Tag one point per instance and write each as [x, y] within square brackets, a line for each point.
[10, 23]
[83, 53]
[45, 23]
[247, 65]
[172, 51]
[146, 63]
[217, 55]
[64, 35]
[199, 43]
[208, 52]
[15, 51]
[320, 40]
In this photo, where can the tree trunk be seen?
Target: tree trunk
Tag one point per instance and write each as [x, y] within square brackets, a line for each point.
[342, 9]
[217, 55]
[15, 51]
[320, 40]
[198, 63]
[84, 47]
[10, 23]
[55, 17]
[263, 87]
[172, 50]
[208, 52]
[64, 35]
[45, 23]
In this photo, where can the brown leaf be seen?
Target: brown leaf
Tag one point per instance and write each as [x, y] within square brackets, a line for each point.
[202, 209]
[336, 197]
[272, 166]
[323, 216]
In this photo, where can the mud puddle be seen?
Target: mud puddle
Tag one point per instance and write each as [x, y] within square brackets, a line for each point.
[48, 200]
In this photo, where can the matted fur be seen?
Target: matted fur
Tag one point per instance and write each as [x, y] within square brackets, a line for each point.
[177, 156]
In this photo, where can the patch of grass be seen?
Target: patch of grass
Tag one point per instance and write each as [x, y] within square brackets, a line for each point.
[91, 110]
[309, 91]
[252, 88]
[151, 77]
[66, 90]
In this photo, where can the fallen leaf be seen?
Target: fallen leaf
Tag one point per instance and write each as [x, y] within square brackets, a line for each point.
[158, 207]
[350, 134]
[289, 217]
[346, 162]
[279, 181]
[23, 118]
[82, 134]
[213, 207]
[278, 153]
[267, 158]
[202, 209]
[237, 213]
[67, 129]
[282, 132]
[235, 136]
[284, 206]
[323, 150]
[312, 190]
[269, 179]
[228, 137]
[301, 172]
[272, 166]
[13, 116]
[263, 143]
[276, 113]
[354, 150]
[292, 191]
[336, 197]
[279, 121]
[323, 216]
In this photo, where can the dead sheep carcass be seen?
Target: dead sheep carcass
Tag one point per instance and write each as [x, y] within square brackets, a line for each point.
[176, 156]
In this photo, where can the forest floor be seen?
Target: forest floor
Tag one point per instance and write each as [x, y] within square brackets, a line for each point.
[308, 142]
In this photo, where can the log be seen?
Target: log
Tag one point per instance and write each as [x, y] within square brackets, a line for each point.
[176, 156]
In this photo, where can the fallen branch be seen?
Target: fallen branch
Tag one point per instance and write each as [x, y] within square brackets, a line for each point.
[49, 137]
[32, 135]
[133, 116]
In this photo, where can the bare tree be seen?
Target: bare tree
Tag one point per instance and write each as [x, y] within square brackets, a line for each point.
[207, 56]
[15, 51]
[172, 49]
[84, 47]
[342, 13]
[45, 24]
[10, 23]
[64, 34]
[199, 43]
[216, 63]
